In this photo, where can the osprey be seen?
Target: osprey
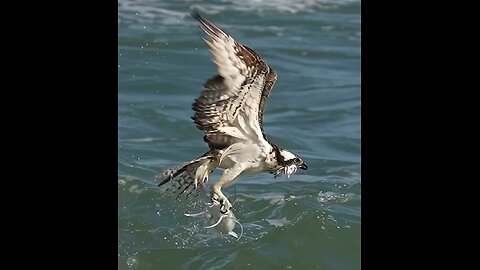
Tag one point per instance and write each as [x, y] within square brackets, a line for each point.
[230, 113]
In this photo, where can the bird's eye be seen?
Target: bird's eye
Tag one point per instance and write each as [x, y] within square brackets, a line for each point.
[296, 160]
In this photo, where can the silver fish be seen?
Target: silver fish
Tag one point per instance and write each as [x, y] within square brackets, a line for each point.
[224, 223]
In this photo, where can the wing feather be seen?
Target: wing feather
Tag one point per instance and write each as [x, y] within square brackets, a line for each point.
[241, 87]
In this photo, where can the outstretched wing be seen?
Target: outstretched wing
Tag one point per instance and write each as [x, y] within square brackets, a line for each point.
[230, 108]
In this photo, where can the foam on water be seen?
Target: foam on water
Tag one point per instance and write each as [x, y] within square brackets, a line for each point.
[145, 11]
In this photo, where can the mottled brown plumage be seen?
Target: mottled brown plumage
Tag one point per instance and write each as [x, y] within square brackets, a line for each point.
[227, 92]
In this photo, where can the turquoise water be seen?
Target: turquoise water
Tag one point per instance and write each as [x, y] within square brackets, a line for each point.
[310, 221]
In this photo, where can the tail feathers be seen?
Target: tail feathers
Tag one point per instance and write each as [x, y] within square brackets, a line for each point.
[188, 176]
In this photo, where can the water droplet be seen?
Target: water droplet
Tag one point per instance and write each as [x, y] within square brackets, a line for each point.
[132, 262]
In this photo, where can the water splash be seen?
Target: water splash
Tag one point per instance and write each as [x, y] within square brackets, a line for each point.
[223, 223]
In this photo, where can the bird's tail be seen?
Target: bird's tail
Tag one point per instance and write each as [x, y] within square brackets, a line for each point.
[190, 175]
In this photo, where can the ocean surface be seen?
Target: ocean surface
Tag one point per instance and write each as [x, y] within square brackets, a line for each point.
[311, 220]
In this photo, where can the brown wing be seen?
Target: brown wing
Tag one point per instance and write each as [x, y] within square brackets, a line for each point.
[270, 81]
[231, 106]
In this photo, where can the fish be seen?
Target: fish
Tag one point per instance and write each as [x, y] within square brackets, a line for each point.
[224, 223]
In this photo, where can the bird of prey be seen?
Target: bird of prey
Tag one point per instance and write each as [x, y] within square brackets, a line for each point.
[230, 113]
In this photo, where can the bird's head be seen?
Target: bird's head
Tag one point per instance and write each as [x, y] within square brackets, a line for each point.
[288, 162]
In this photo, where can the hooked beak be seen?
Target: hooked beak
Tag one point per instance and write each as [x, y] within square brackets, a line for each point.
[303, 166]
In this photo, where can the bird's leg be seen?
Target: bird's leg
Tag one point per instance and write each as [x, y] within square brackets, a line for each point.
[225, 180]
[218, 196]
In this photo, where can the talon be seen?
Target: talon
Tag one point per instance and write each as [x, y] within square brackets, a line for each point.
[217, 200]
[220, 199]
[226, 206]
